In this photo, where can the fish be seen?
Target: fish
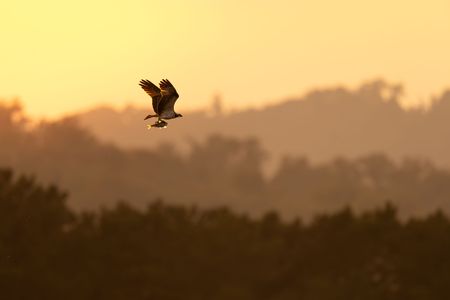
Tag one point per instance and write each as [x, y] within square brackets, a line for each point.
[158, 124]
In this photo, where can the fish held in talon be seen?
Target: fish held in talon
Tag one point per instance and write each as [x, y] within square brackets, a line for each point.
[159, 124]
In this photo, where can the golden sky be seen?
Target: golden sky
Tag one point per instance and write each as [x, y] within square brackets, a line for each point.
[60, 56]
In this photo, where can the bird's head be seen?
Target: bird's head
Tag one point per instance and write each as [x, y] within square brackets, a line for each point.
[178, 115]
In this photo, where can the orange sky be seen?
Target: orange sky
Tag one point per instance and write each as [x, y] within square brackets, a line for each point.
[60, 56]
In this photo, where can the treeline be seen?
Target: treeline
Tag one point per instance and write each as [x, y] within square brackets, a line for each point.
[48, 251]
[220, 171]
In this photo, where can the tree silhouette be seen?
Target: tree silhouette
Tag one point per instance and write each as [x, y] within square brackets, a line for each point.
[183, 252]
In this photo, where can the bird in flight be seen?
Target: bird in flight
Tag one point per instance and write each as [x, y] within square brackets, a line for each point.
[163, 101]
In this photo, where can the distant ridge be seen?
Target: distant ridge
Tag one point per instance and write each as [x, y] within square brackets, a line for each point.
[321, 125]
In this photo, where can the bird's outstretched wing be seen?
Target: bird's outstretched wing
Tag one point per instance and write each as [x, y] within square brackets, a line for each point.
[169, 96]
[153, 92]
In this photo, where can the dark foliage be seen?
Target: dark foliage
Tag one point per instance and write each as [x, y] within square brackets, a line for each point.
[178, 252]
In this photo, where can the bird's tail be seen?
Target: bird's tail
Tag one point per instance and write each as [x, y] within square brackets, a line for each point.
[150, 116]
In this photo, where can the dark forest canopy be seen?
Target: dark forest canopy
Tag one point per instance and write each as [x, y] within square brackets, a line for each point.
[218, 171]
[170, 252]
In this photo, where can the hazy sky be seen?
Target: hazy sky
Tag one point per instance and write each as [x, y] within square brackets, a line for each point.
[60, 56]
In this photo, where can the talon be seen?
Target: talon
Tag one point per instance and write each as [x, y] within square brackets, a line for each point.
[149, 127]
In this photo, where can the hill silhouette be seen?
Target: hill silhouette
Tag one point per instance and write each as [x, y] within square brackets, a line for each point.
[321, 125]
[218, 171]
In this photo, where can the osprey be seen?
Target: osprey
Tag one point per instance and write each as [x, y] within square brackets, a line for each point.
[163, 101]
